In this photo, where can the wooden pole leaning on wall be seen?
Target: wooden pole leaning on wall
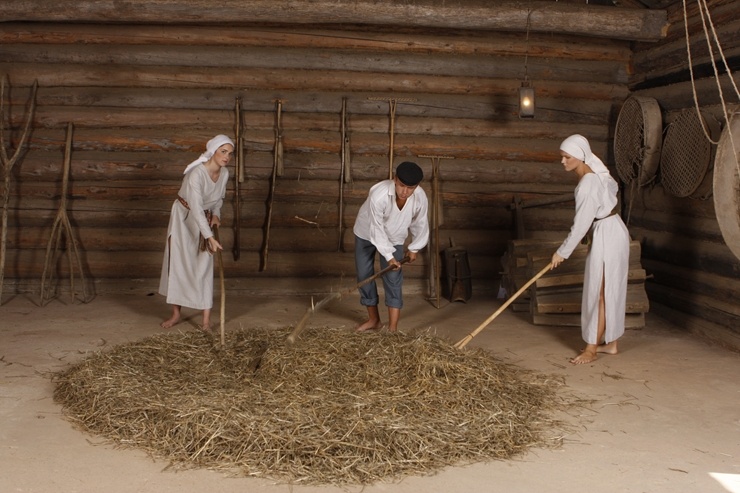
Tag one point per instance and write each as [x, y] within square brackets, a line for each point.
[276, 171]
[62, 224]
[238, 178]
[345, 173]
[9, 161]
[437, 220]
[392, 103]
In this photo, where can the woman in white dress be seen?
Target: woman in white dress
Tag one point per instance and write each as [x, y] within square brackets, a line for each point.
[605, 279]
[187, 268]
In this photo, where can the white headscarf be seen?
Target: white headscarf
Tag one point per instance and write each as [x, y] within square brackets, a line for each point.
[211, 148]
[578, 147]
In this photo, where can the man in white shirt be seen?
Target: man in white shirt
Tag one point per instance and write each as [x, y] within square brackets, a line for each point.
[393, 209]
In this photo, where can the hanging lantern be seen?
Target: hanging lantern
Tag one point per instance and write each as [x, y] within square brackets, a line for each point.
[526, 100]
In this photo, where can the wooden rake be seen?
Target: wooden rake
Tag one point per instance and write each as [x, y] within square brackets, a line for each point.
[465, 340]
[335, 296]
[62, 224]
[9, 161]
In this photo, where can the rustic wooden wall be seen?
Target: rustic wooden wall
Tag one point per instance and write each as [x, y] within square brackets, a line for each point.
[144, 100]
[696, 277]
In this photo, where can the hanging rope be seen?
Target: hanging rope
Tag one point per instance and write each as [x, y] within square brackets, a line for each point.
[706, 18]
[526, 46]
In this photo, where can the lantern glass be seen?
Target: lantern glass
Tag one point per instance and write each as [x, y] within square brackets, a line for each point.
[526, 101]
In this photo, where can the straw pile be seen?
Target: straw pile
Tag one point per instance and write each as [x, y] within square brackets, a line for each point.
[336, 408]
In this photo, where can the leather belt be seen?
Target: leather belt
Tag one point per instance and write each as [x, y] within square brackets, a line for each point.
[205, 246]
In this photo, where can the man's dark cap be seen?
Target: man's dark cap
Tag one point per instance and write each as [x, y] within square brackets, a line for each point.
[409, 173]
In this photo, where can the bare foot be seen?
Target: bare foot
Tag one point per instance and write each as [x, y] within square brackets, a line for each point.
[170, 322]
[369, 325]
[587, 355]
[205, 328]
[610, 348]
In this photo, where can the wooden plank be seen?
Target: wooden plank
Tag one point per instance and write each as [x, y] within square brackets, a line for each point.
[460, 43]
[688, 252]
[569, 300]
[260, 101]
[699, 228]
[720, 286]
[28, 264]
[697, 305]
[297, 237]
[304, 141]
[536, 260]
[312, 59]
[576, 279]
[528, 179]
[670, 57]
[282, 79]
[540, 16]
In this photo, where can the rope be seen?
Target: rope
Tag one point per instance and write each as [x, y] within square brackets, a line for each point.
[526, 49]
[706, 17]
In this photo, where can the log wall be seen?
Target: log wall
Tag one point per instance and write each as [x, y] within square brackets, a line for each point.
[696, 279]
[144, 100]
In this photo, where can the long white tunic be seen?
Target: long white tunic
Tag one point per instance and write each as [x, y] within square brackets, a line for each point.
[608, 256]
[187, 272]
[382, 223]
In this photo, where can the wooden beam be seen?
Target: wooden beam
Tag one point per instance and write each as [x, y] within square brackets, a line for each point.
[541, 16]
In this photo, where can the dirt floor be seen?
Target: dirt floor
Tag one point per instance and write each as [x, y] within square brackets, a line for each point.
[665, 416]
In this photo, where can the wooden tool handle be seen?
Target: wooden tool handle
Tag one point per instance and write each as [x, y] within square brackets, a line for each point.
[465, 340]
[311, 309]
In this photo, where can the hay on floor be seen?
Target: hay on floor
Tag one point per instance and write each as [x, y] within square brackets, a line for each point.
[335, 408]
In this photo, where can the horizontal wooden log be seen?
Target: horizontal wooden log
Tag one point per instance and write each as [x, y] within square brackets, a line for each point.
[700, 228]
[258, 104]
[302, 142]
[313, 193]
[685, 251]
[680, 95]
[656, 199]
[313, 59]
[718, 286]
[698, 305]
[460, 43]
[296, 239]
[286, 213]
[28, 264]
[400, 85]
[110, 166]
[537, 16]
[728, 337]
[199, 121]
[721, 11]
[671, 57]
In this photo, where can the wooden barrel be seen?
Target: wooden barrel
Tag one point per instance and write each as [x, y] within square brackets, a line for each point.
[727, 184]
